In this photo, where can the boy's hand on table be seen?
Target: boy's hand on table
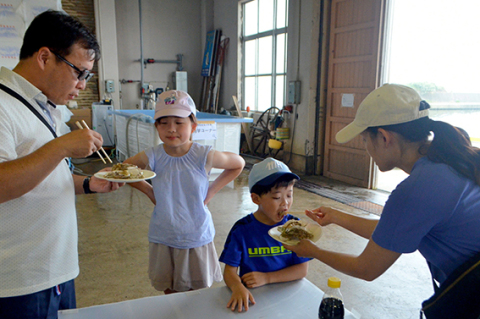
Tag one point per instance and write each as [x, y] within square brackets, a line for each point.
[255, 279]
[240, 299]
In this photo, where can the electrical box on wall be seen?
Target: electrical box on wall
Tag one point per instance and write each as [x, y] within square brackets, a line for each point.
[109, 86]
[294, 92]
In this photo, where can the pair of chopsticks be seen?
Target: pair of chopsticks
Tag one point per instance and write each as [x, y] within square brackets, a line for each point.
[101, 148]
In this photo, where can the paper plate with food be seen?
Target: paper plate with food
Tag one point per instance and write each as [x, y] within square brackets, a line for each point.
[293, 231]
[125, 173]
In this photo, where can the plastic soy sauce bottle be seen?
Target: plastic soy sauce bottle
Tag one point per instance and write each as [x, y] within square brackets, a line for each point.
[331, 306]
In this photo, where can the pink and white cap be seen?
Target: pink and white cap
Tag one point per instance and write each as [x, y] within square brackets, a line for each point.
[174, 103]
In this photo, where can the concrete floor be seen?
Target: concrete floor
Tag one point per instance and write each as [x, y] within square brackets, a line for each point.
[113, 249]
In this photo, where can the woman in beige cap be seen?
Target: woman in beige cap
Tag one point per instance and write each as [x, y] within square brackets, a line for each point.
[435, 210]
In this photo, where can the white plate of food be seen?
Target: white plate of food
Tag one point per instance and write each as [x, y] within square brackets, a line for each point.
[125, 173]
[293, 231]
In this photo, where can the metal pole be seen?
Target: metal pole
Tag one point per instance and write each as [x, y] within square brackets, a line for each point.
[141, 54]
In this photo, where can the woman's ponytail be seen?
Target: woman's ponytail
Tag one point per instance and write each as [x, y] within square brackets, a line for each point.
[452, 146]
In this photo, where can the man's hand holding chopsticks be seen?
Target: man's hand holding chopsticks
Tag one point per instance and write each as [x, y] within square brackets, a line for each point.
[78, 143]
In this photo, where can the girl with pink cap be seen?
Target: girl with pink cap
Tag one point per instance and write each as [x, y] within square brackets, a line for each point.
[181, 232]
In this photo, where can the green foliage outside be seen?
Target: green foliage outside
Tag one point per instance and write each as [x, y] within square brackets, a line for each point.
[426, 87]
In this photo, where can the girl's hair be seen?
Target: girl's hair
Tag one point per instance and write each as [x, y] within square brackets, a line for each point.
[193, 118]
[450, 145]
[283, 181]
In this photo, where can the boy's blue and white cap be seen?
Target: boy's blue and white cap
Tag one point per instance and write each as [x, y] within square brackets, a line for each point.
[267, 172]
[174, 103]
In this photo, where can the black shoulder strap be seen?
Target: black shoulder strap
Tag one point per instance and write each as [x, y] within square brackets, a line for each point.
[34, 111]
[30, 107]
[458, 295]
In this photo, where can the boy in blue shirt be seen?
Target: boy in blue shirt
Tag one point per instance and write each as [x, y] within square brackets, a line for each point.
[261, 259]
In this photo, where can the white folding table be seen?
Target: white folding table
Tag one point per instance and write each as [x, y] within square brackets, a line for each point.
[297, 299]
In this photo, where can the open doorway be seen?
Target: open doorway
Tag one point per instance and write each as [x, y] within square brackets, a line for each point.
[430, 46]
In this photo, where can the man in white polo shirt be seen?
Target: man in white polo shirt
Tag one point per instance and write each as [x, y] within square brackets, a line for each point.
[38, 227]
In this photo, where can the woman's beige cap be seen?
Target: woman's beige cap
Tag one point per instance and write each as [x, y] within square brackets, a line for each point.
[389, 104]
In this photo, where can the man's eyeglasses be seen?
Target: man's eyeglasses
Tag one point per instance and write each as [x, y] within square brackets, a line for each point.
[82, 75]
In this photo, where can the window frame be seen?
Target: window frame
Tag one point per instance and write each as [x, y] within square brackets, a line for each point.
[274, 32]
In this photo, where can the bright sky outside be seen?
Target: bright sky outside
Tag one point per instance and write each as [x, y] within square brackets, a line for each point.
[437, 41]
